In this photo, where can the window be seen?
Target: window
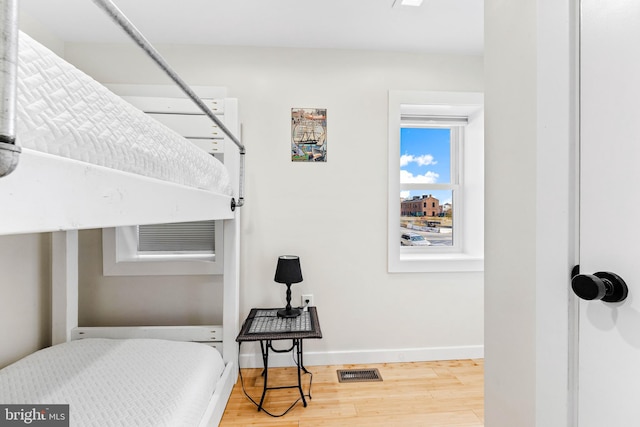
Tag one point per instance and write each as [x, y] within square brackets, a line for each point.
[179, 238]
[164, 249]
[429, 165]
[436, 185]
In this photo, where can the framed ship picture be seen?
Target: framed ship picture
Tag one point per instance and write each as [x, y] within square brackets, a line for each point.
[309, 134]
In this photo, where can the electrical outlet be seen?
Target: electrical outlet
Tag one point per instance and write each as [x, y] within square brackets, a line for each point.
[305, 298]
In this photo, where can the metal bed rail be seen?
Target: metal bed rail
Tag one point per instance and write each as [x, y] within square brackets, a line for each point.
[8, 71]
[9, 151]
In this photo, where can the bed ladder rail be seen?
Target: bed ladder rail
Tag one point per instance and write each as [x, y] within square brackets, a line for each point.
[112, 10]
[205, 334]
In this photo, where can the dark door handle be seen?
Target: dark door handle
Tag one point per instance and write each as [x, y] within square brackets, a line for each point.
[603, 285]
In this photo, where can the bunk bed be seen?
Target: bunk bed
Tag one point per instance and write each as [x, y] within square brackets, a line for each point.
[51, 182]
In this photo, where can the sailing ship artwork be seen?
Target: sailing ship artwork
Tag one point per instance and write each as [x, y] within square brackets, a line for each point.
[309, 134]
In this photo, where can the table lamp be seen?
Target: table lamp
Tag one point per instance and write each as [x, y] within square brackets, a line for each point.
[288, 272]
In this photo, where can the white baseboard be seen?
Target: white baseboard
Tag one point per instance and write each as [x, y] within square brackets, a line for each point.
[253, 359]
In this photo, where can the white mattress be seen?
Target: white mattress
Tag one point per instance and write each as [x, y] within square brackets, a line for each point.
[62, 111]
[133, 382]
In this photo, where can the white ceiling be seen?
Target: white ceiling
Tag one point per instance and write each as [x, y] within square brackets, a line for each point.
[452, 26]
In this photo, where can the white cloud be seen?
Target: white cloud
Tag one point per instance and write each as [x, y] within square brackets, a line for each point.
[405, 159]
[405, 194]
[427, 178]
[424, 160]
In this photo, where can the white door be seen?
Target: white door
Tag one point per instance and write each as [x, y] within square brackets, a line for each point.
[609, 333]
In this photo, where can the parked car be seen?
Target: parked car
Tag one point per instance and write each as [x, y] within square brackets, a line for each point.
[413, 239]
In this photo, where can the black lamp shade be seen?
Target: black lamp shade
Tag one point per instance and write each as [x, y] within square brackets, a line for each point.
[288, 269]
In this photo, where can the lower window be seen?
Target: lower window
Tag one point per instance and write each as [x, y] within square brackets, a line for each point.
[163, 249]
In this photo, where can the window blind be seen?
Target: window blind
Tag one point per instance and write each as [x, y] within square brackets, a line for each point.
[197, 236]
[426, 119]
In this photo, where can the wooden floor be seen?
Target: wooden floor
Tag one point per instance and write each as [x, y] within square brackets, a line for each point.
[426, 394]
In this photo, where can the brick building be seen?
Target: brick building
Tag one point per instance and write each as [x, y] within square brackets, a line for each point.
[425, 205]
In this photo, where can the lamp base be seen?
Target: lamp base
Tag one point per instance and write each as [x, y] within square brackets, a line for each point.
[292, 312]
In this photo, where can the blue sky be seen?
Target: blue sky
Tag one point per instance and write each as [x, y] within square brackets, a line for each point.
[425, 158]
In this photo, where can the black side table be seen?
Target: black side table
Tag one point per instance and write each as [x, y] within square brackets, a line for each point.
[264, 325]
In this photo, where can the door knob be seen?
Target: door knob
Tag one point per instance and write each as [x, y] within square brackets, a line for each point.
[603, 285]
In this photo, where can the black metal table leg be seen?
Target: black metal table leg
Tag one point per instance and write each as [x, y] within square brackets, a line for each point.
[265, 362]
[298, 345]
[301, 358]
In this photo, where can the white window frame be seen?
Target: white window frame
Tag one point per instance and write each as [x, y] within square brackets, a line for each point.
[467, 252]
[121, 257]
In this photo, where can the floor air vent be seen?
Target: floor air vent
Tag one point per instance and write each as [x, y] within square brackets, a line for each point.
[358, 375]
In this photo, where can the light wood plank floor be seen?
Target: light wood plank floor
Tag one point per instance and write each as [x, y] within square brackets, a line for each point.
[425, 394]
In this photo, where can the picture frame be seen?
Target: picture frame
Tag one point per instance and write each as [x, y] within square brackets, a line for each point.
[308, 134]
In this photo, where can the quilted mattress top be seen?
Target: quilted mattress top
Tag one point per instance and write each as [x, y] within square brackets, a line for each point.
[63, 111]
[107, 382]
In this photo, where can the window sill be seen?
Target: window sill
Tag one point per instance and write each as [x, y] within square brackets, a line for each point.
[163, 267]
[436, 263]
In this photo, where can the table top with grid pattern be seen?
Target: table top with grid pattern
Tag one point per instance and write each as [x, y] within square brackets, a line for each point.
[264, 324]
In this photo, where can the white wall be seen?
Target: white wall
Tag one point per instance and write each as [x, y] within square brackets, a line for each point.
[510, 213]
[332, 215]
[146, 300]
[530, 215]
[39, 32]
[25, 314]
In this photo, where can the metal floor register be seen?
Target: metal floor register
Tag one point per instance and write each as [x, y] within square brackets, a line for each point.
[266, 321]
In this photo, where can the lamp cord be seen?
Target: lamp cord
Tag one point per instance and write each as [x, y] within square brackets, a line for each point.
[258, 405]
